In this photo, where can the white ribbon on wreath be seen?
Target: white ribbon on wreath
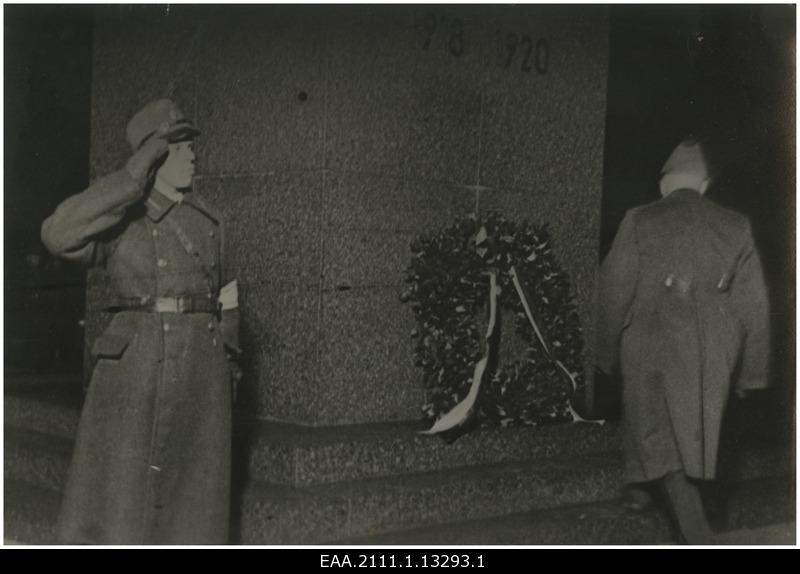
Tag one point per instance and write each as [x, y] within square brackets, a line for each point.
[461, 413]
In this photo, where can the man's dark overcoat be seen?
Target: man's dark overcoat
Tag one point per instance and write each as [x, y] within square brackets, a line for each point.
[683, 307]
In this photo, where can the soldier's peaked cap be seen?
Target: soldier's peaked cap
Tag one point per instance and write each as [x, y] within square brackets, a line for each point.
[161, 115]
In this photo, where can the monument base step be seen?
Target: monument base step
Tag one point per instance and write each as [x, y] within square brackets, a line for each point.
[757, 512]
[317, 485]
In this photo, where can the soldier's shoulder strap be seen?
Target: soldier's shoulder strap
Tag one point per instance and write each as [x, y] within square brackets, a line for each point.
[190, 248]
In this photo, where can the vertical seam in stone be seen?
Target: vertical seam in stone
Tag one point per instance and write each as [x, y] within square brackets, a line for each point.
[295, 474]
[196, 74]
[480, 151]
[348, 524]
[323, 215]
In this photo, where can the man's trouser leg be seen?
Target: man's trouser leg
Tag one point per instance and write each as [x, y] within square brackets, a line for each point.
[684, 497]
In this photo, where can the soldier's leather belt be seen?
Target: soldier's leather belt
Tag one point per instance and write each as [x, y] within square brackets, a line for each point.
[183, 304]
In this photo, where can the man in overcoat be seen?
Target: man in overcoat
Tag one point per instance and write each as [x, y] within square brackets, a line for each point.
[683, 315]
[151, 463]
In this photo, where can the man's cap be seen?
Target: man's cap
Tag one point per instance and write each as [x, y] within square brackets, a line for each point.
[687, 158]
[159, 116]
[685, 168]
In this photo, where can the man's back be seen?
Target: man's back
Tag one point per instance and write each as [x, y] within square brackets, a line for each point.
[682, 309]
[688, 247]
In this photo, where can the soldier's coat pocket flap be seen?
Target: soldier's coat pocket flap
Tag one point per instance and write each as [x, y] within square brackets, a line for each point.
[111, 345]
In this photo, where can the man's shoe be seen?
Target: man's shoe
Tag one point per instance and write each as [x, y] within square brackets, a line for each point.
[636, 498]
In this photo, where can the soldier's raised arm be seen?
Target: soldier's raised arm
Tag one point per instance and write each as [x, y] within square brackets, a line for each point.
[69, 232]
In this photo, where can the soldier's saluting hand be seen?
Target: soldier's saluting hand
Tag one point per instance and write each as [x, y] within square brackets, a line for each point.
[151, 463]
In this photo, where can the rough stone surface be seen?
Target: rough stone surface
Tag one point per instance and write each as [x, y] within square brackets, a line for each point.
[334, 135]
[279, 332]
[366, 258]
[478, 492]
[298, 455]
[760, 513]
[584, 524]
[140, 54]
[382, 479]
[609, 523]
[366, 201]
[365, 371]
[379, 505]
[278, 515]
[743, 502]
[371, 221]
[29, 513]
[36, 458]
[262, 97]
[395, 108]
[335, 454]
[53, 411]
[272, 225]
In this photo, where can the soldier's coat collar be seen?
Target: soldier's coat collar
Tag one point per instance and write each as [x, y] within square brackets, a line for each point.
[158, 205]
[170, 192]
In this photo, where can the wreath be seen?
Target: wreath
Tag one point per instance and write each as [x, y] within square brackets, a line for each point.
[447, 291]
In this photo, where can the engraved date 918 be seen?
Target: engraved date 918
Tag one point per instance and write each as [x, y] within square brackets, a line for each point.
[346, 560]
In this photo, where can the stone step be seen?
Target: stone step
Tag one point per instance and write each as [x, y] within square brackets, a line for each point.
[297, 455]
[303, 456]
[758, 512]
[370, 512]
[783, 534]
[37, 458]
[328, 455]
[22, 381]
[336, 454]
[30, 513]
[277, 514]
[52, 408]
[42, 458]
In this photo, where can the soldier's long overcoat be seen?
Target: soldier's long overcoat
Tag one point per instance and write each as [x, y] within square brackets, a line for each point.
[683, 306]
[151, 462]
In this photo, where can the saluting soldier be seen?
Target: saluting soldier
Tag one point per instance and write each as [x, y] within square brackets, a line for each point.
[682, 303]
[151, 463]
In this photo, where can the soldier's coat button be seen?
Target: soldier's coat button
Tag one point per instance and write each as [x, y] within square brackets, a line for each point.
[162, 263]
[211, 326]
[213, 265]
[166, 326]
[214, 341]
[211, 233]
[155, 233]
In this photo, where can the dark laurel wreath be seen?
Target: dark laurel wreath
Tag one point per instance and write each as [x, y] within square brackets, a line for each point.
[448, 289]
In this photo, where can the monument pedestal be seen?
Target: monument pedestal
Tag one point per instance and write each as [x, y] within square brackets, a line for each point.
[385, 484]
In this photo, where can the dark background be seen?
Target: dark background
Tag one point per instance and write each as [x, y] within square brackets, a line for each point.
[726, 74]
[48, 53]
[723, 72]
